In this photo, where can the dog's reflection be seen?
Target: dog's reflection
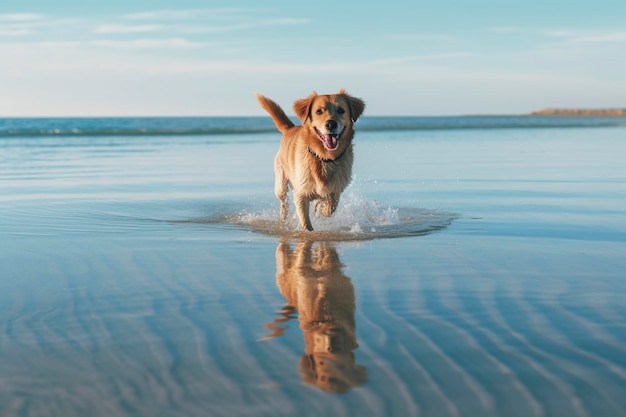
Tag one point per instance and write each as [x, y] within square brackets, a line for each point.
[311, 280]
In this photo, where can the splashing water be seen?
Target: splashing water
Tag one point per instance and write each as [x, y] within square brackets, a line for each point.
[357, 218]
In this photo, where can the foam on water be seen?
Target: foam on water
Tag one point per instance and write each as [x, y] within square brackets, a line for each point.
[357, 218]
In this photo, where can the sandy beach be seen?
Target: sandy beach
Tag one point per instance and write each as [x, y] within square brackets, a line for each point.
[475, 267]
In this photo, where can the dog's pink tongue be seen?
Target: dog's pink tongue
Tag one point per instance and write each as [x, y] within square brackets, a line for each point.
[330, 141]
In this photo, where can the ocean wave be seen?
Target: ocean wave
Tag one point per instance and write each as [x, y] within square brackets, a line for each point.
[172, 126]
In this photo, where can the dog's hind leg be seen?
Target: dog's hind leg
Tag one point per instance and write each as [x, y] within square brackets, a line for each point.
[281, 186]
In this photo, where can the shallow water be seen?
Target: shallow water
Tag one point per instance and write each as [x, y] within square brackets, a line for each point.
[467, 272]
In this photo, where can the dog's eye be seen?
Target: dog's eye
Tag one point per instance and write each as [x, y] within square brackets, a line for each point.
[319, 111]
[340, 110]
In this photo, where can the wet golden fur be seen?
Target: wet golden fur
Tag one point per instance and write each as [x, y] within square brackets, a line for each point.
[315, 158]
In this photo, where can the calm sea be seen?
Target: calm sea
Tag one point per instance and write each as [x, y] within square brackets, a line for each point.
[475, 267]
[142, 126]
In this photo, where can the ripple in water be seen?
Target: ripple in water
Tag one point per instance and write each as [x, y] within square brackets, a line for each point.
[356, 219]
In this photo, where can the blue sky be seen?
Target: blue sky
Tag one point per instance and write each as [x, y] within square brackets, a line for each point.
[188, 57]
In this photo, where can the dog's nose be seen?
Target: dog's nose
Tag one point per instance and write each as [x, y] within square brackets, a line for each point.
[331, 125]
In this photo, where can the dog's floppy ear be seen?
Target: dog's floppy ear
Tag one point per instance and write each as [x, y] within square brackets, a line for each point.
[357, 106]
[302, 107]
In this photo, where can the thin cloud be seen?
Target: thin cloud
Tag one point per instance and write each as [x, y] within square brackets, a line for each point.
[115, 29]
[417, 37]
[20, 17]
[509, 29]
[102, 55]
[14, 32]
[573, 36]
[198, 21]
[19, 24]
[391, 65]
[610, 37]
[171, 43]
[43, 25]
[189, 14]
[242, 26]
[551, 33]
[168, 43]
[175, 23]
[414, 58]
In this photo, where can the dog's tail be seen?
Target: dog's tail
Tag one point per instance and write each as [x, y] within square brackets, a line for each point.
[279, 117]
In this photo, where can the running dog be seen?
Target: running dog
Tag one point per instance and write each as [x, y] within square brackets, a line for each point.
[315, 158]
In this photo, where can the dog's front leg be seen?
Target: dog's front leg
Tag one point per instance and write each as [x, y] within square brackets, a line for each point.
[327, 205]
[302, 208]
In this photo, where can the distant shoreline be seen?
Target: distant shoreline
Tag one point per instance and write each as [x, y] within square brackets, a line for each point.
[581, 112]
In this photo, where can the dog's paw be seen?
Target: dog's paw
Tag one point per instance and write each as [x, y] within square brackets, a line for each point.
[323, 207]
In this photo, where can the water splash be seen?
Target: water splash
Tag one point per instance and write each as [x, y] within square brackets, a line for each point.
[357, 218]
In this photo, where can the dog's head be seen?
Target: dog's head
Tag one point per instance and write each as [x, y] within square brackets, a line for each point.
[329, 115]
[330, 363]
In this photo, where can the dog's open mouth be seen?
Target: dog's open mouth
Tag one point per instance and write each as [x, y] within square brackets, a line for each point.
[330, 140]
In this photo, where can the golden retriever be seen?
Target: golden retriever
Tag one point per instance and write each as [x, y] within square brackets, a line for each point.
[314, 159]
